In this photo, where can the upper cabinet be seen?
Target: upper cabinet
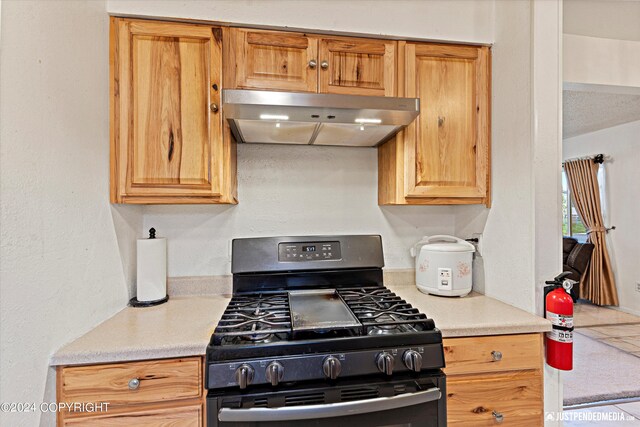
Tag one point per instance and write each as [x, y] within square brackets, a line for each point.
[357, 66]
[170, 144]
[274, 61]
[297, 62]
[167, 142]
[443, 156]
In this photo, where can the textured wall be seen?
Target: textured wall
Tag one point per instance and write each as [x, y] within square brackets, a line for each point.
[294, 190]
[505, 270]
[61, 260]
[622, 196]
[610, 19]
[309, 190]
[458, 20]
[70, 255]
[601, 61]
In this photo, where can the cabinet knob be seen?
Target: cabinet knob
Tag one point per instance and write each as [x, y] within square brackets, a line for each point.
[498, 416]
[324, 65]
[496, 355]
[134, 383]
[313, 63]
[214, 107]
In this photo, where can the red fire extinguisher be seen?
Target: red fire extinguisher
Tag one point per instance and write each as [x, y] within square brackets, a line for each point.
[559, 309]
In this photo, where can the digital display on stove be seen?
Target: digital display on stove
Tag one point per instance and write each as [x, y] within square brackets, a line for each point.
[309, 251]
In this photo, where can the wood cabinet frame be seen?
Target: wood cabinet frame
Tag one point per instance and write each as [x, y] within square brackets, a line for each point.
[398, 164]
[219, 182]
[154, 402]
[478, 383]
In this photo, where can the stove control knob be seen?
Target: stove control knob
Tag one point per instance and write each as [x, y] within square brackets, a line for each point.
[331, 367]
[274, 373]
[412, 360]
[385, 363]
[244, 375]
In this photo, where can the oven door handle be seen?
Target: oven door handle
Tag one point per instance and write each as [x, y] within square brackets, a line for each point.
[340, 409]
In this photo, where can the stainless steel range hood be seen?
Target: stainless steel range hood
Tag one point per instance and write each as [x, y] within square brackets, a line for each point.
[257, 116]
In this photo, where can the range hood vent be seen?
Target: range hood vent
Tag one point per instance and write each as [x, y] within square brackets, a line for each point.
[257, 116]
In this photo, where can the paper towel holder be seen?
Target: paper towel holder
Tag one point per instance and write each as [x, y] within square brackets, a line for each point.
[133, 302]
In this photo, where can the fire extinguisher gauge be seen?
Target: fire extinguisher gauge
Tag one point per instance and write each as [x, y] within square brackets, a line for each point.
[567, 284]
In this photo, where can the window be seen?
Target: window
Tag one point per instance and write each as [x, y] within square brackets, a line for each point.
[572, 225]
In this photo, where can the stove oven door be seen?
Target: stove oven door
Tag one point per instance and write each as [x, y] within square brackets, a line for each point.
[409, 402]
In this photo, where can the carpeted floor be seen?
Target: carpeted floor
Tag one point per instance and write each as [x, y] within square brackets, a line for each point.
[600, 372]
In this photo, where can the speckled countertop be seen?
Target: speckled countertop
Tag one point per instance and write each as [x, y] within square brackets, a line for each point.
[182, 327]
[178, 328]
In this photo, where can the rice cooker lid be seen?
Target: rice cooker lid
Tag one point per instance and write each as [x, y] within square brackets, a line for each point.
[447, 247]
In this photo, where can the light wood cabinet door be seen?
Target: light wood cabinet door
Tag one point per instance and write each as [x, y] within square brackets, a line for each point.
[185, 416]
[511, 399]
[357, 66]
[167, 135]
[492, 354]
[158, 380]
[164, 392]
[272, 60]
[442, 157]
[448, 144]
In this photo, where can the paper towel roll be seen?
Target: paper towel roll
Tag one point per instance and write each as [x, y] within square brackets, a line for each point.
[152, 269]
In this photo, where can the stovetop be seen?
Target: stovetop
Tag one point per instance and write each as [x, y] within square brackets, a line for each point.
[266, 317]
[315, 308]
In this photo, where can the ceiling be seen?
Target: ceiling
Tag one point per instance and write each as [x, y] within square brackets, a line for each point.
[584, 112]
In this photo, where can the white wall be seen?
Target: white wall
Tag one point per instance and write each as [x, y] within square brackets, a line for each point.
[611, 19]
[505, 270]
[61, 260]
[59, 107]
[276, 191]
[622, 196]
[457, 20]
[601, 61]
[547, 154]
[285, 190]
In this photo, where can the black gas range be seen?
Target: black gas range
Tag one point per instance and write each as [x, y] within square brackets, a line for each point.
[312, 336]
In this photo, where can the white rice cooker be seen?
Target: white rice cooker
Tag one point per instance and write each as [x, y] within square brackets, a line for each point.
[443, 265]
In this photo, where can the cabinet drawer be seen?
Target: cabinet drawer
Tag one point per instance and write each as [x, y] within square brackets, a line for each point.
[159, 380]
[492, 354]
[187, 416]
[516, 396]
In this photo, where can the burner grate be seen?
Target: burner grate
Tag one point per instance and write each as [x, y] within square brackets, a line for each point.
[256, 318]
[263, 318]
[383, 312]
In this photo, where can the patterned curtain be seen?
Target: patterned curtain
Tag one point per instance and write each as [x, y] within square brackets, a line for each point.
[599, 283]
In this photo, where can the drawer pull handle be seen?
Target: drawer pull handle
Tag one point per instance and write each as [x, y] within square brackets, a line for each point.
[498, 416]
[134, 383]
[324, 65]
[496, 355]
[313, 63]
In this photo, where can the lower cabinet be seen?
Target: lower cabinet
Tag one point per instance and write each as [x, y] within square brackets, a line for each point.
[180, 416]
[494, 380]
[167, 392]
[490, 380]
